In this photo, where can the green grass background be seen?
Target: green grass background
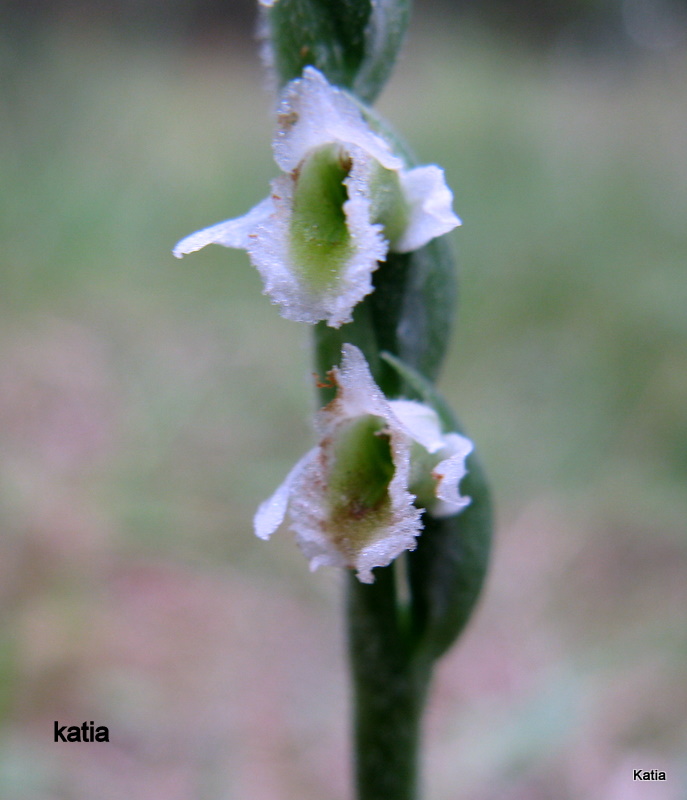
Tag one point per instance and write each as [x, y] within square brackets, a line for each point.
[148, 404]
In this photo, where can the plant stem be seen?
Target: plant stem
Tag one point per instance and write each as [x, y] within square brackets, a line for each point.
[389, 686]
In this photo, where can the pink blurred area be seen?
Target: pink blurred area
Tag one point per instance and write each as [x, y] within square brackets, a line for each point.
[148, 405]
[209, 686]
[221, 680]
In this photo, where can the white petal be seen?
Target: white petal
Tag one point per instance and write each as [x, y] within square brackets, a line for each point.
[430, 202]
[357, 394]
[230, 233]
[312, 113]
[272, 511]
[421, 422]
[449, 473]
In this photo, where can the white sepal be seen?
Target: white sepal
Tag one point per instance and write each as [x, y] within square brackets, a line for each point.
[448, 474]
[236, 233]
[431, 212]
[313, 113]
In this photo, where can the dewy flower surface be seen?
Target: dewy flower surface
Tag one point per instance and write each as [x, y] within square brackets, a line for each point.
[350, 500]
[343, 201]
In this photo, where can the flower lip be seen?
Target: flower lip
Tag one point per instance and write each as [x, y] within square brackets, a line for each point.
[306, 286]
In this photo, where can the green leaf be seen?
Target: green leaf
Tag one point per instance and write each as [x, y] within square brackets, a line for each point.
[409, 314]
[328, 343]
[447, 570]
[413, 307]
[353, 42]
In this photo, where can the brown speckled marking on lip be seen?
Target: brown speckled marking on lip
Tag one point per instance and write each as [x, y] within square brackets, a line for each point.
[329, 381]
[287, 121]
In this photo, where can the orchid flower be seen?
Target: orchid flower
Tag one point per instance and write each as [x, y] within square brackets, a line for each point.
[351, 500]
[343, 201]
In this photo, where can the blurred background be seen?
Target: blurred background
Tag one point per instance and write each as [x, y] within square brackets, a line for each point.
[147, 405]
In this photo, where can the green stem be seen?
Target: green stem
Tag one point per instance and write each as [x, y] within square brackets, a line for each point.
[389, 686]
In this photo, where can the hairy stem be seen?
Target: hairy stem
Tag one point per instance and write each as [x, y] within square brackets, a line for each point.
[389, 686]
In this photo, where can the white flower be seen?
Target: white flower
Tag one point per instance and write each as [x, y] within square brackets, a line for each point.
[350, 500]
[343, 201]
